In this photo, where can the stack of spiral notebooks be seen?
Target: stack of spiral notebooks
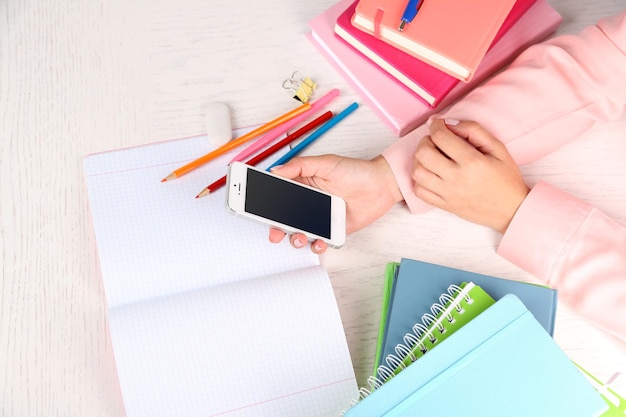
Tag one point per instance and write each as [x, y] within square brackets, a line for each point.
[453, 342]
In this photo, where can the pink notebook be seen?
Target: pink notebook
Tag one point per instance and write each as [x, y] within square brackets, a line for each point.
[452, 35]
[397, 107]
[427, 82]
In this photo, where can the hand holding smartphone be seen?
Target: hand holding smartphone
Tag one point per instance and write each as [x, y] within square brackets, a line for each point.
[285, 204]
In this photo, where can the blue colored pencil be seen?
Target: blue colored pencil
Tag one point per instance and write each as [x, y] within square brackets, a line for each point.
[315, 135]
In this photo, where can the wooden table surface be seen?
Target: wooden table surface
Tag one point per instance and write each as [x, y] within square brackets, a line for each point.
[82, 77]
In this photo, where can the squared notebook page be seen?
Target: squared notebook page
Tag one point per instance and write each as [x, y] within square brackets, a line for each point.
[271, 346]
[156, 238]
[162, 252]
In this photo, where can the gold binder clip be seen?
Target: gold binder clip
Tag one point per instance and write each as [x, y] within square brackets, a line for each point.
[302, 88]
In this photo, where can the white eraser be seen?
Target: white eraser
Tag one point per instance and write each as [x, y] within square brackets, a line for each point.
[218, 128]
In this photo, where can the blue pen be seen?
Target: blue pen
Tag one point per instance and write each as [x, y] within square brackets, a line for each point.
[409, 13]
[315, 135]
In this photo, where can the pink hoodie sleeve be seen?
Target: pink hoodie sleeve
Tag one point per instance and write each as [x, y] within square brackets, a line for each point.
[575, 248]
[551, 94]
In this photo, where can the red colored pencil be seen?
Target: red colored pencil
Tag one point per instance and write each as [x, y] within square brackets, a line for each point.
[271, 150]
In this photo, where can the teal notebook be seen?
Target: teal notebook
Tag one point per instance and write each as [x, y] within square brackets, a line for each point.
[416, 285]
[501, 363]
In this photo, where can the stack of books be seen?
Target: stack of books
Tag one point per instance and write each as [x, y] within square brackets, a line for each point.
[454, 342]
[447, 49]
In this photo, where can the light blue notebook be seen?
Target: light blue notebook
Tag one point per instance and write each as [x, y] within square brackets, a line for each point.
[418, 284]
[502, 363]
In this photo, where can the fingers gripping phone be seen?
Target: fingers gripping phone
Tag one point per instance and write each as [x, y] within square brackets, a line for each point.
[285, 204]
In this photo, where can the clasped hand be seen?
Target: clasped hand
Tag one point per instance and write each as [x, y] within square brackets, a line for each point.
[463, 169]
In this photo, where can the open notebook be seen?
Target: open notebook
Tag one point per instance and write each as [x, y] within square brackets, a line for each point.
[207, 317]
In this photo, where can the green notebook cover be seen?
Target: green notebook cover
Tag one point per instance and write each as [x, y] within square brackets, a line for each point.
[390, 277]
[617, 404]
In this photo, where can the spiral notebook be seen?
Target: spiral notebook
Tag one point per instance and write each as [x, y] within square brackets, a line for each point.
[416, 284]
[501, 363]
[207, 317]
[454, 308]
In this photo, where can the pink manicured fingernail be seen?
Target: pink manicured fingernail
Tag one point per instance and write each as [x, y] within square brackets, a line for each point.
[317, 247]
[451, 122]
[298, 242]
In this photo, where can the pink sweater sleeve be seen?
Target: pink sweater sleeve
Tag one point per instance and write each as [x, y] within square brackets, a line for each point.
[575, 248]
[551, 94]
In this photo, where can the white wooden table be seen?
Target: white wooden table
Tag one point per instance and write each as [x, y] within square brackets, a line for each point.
[82, 77]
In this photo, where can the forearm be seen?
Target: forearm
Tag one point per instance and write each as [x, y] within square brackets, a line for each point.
[575, 248]
[549, 95]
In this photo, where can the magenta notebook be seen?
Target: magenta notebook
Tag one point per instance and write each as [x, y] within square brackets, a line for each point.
[400, 109]
[426, 81]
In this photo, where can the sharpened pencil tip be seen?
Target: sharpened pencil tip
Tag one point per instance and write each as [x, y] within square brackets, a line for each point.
[203, 193]
[169, 177]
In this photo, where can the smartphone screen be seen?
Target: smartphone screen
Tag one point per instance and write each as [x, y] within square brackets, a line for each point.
[287, 203]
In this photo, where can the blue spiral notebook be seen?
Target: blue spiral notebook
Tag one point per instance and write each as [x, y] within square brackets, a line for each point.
[502, 363]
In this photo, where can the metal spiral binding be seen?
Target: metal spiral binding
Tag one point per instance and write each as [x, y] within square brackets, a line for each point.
[385, 371]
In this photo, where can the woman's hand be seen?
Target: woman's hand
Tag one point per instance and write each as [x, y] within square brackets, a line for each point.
[369, 189]
[463, 169]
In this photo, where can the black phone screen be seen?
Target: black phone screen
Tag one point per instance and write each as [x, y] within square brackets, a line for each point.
[287, 203]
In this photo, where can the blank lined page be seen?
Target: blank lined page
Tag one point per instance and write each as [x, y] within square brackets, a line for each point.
[207, 317]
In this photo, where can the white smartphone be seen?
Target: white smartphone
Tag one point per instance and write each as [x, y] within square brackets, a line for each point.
[285, 204]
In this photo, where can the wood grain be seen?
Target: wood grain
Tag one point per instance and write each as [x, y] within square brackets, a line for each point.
[83, 77]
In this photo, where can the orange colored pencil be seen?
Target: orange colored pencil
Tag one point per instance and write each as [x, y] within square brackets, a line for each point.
[236, 142]
[271, 150]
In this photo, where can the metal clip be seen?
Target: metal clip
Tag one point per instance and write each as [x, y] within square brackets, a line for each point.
[301, 88]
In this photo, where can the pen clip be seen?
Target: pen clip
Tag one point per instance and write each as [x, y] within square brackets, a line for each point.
[410, 11]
